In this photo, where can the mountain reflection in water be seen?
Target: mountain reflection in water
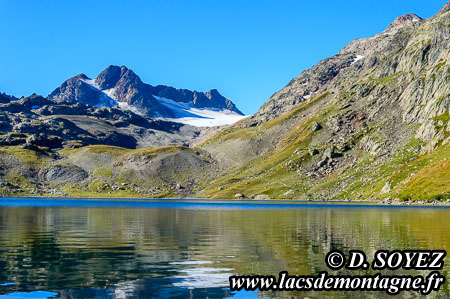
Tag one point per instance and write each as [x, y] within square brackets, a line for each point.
[190, 248]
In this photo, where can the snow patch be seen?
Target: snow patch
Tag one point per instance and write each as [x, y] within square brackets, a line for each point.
[186, 113]
[91, 82]
[110, 93]
[358, 57]
[105, 98]
[126, 106]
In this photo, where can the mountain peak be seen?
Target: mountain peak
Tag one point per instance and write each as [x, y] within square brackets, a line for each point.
[119, 85]
[124, 68]
[402, 21]
[113, 67]
[82, 76]
[212, 93]
[109, 77]
[407, 18]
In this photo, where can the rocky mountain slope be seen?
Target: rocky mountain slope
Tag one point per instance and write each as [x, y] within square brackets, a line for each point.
[371, 122]
[121, 86]
[36, 122]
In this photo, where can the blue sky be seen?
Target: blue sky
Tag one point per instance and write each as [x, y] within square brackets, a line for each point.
[248, 50]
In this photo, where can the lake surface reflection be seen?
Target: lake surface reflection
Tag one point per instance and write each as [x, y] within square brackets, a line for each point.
[189, 248]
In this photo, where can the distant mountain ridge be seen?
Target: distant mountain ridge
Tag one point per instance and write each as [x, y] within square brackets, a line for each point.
[5, 98]
[122, 87]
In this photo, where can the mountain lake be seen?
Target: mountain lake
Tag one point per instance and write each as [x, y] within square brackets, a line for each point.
[188, 248]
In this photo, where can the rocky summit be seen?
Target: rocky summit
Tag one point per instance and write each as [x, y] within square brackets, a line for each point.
[371, 122]
[121, 86]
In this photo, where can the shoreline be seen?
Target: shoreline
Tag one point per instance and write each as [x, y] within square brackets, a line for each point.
[385, 202]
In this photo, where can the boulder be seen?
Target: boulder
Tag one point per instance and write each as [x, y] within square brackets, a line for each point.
[315, 126]
[330, 153]
[322, 162]
[386, 188]
[426, 131]
[313, 152]
[262, 197]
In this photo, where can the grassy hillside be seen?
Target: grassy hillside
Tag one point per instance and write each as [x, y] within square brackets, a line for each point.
[104, 171]
[289, 170]
[375, 128]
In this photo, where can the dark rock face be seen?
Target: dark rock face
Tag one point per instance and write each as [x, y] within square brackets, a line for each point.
[116, 85]
[109, 77]
[131, 90]
[209, 99]
[4, 99]
[77, 90]
[216, 100]
[180, 95]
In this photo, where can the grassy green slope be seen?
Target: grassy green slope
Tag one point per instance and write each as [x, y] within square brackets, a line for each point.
[107, 171]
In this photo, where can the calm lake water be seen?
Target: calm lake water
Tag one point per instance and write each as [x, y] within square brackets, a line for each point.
[189, 248]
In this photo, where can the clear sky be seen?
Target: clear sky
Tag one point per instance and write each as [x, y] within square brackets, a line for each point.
[248, 50]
